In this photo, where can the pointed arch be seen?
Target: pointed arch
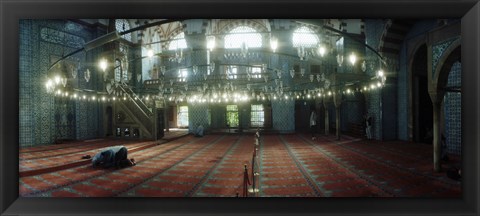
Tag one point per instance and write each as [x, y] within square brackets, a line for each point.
[451, 55]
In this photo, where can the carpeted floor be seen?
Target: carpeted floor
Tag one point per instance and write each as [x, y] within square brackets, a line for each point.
[289, 165]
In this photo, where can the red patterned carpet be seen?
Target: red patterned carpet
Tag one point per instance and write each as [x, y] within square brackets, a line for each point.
[290, 165]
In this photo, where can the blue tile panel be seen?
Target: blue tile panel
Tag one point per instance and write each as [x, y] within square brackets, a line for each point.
[283, 118]
[42, 117]
[437, 52]
[197, 114]
[453, 111]
[373, 102]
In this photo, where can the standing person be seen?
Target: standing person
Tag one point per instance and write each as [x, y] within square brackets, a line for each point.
[115, 156]
[313, 123]
[368, 126]
[257, 136]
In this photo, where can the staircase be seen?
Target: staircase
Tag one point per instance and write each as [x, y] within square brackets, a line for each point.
[139, 112]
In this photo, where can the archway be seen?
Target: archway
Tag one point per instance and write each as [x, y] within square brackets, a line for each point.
[422, 111]
[448, 81]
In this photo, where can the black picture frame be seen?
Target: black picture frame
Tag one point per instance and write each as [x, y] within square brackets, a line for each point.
[12, 11]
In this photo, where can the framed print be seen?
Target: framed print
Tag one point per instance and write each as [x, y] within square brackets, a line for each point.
[239, 108]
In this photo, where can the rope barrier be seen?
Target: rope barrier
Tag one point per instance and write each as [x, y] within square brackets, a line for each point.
[246, 178]
[246, 182]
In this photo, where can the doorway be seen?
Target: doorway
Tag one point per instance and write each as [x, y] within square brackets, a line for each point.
[422, 108]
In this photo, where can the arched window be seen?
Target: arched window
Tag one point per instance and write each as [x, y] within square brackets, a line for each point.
[122, 25]
[178, 42]
[243, 34]
[305, 37]
[182, 116]
[156, 46]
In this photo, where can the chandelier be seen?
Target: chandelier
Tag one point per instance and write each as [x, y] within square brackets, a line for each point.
[233, 75]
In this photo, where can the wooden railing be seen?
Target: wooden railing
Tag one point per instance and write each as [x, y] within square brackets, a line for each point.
[140, 111]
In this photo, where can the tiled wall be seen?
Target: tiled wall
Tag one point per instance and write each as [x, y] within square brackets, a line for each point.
[197, 114]
[453, 111]
[353, 108]
[374, 30]
[402, 96]
[43, 119]
[283, 118]
[437, 51]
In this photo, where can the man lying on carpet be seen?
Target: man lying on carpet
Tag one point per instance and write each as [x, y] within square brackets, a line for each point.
[115, 156]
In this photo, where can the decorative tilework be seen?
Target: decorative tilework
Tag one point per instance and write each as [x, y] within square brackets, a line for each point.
[62, 38]
[43, 119]
[453, 112]
[374, 30]
[374, 109]
[282, 115]
[437, 52]
[197, 114]
[352, 111]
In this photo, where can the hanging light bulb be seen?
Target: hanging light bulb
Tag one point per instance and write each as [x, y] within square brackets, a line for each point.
[210, 42]
[57, 79]
[322, 50]
[273, 43]
[352, 58]
[380, 73]
[103, 64]
[150, 53]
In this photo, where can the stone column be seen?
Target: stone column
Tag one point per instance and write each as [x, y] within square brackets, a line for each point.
[337, 101]
[437, 141]
[437, 98]
[165, 116]
[327, 124]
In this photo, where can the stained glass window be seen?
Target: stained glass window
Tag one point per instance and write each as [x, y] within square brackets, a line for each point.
[122, 25]
[232, 115]
[243, 34]
[178, 42]
[257, 116]
[182, 116]
[305, 37]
